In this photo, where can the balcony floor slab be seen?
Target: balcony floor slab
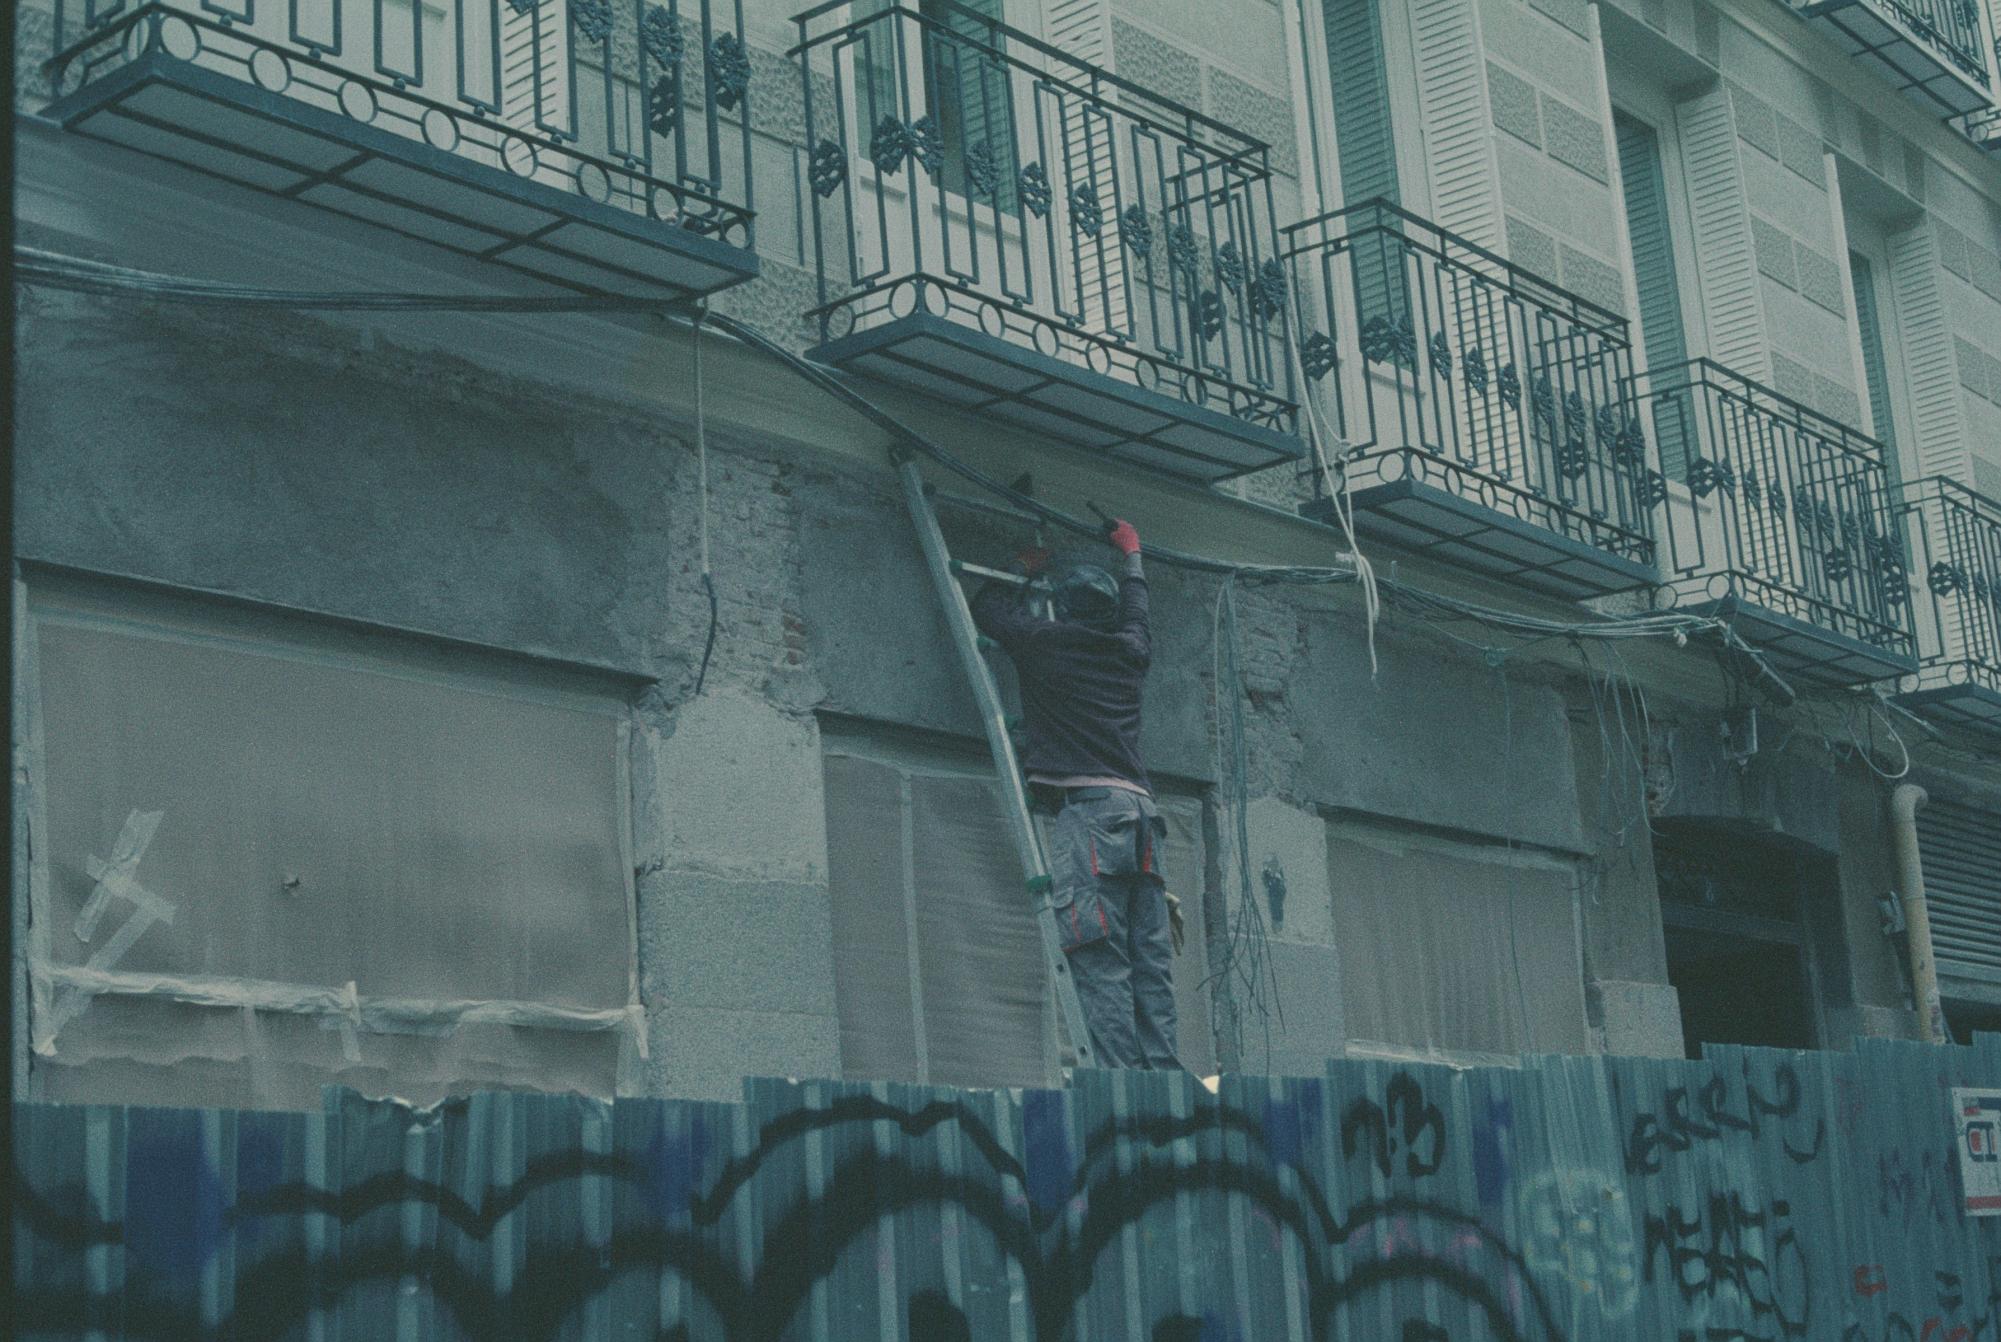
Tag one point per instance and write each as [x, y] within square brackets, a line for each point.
[1798, 650]
[1963, 705]
[1067, 401]
[227, 128]
[1902, 58]
[1428, 520]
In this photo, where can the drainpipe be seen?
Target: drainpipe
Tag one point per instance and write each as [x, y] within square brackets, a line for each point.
[1905, 800]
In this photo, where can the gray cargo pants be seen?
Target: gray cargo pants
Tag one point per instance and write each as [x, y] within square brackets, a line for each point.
[1111, 906]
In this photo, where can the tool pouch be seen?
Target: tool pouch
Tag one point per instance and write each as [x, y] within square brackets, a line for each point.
[1112, 836]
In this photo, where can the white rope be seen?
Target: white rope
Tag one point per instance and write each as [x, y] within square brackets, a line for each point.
[1339, 496]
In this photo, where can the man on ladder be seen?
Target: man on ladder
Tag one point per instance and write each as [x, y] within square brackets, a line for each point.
[1080, 675]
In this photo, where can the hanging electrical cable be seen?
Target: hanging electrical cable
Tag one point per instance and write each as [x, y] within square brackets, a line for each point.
[1244, 958]
[702, 501]
[38, 267]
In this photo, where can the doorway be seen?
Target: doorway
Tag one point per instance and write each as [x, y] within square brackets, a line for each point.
[1732, 914]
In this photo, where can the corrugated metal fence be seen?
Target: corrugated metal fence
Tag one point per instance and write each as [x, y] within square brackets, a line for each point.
[1752, 1195]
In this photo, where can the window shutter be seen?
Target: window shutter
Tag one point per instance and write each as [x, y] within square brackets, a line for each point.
[1458, 120]
[1719, 216]
[1938, 422]
[1078, 28]
[535, 68]
[1366, 147]
[1664, 340]
[1961, 848]
[1875, 366]
[1360, 79]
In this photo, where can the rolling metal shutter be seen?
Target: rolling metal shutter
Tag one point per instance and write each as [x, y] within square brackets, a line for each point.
[1961, 850]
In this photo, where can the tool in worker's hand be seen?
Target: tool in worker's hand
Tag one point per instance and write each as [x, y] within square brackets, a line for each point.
[1121, 533]
[1175, 927]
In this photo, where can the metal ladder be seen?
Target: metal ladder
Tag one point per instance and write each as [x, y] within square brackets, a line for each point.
[1021, 821]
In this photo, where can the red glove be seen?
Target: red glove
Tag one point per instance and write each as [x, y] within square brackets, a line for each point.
[1032, 561]
[1123, 538]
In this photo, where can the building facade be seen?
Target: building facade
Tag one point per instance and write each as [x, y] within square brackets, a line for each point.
[443, 695]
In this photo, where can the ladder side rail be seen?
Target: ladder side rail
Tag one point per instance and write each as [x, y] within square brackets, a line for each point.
[993, 717]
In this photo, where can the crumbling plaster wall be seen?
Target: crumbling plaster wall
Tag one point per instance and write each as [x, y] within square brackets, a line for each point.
[287, 461]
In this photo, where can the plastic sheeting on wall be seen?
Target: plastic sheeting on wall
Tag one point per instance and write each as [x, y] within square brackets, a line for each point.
[1757, 1194]
[937, 964]
[272, 854]
[1453, 946]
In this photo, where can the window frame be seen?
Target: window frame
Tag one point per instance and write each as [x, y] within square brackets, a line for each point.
[1869, 238]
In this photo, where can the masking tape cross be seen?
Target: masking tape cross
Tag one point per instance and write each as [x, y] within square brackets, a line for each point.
[114, 877]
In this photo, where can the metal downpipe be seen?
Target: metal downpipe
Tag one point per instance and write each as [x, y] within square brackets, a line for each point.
[1905, 799]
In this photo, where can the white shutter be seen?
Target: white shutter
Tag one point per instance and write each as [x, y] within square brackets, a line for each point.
[1721, 215]
[1082, 28]
[535, 66]
[1458, 122]
[1939, 426]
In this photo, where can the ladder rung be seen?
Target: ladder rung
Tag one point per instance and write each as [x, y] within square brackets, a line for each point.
[985, 574]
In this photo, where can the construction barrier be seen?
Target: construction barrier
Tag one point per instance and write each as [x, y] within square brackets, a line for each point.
[1756, 1194]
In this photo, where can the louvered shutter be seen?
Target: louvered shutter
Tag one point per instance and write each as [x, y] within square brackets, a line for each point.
[1938, 428]
[1719, 223]
[1875, 367]
[1458, 119]
[1663, 337]
[535, 68]
[969, 93]
[1961, 850]
[1366, 147]
[1078, 28]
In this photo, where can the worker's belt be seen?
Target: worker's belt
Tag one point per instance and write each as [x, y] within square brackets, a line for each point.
[1049, 799]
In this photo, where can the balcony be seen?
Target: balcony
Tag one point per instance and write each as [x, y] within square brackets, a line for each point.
[1934, 50]
[1482, 410]
[1955, 544]
[588, 142]
[1013, 230]
[1984, 129]
[1778, 519]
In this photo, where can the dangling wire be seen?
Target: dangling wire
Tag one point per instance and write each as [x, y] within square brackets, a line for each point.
[1340, 497]
[702, 500]
[1246, 950]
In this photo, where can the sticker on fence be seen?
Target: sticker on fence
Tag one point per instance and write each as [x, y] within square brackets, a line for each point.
[1977, 1116]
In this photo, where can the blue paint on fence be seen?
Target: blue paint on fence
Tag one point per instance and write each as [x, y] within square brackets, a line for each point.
[1754, 1195]
[1493, 1138]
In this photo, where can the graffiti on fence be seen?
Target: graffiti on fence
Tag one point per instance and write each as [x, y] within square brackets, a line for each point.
[1527, 1205]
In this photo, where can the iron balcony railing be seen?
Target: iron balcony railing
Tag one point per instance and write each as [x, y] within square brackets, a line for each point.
[636, 104]
[1955, 545]
[1438, 361]
[1913, 43]
[963, 169]
[1956, 28]
[1776, 505]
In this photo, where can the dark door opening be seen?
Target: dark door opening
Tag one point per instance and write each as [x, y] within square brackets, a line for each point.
[1732, 912]
[1735, 991]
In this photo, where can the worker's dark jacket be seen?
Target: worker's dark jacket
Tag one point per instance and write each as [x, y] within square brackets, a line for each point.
[1080, 684]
